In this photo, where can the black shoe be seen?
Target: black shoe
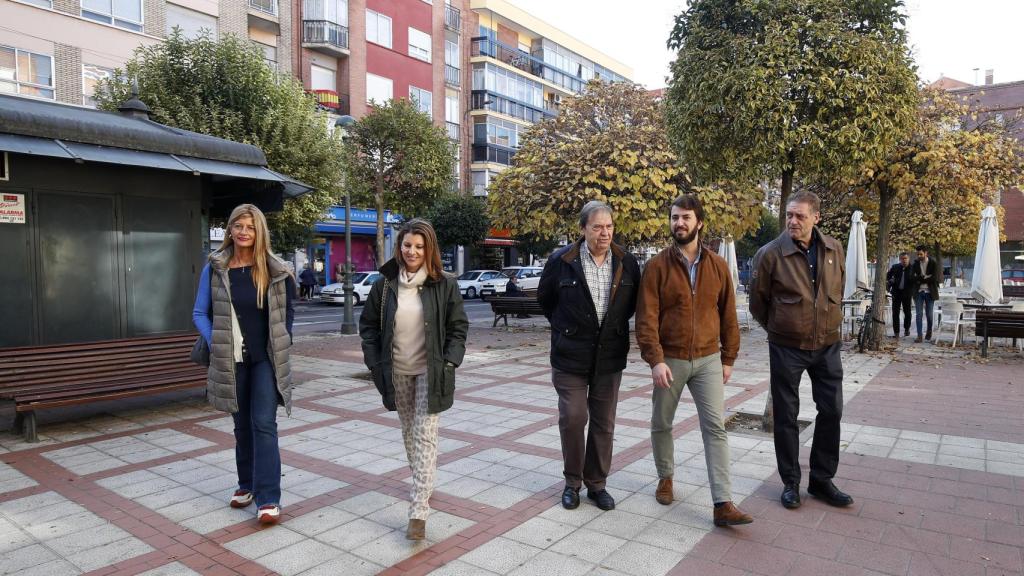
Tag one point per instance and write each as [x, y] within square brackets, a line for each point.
[570, 498]
[906, 332]
[928, 336]
[828, 492]
[602, 498]
[791, 496]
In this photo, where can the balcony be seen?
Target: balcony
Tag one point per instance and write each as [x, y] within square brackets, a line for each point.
[493, 153]
[454, 132]
[452, 18]
[484, 46]
[452, 76]
[327, 37]
[331, 101]
[492, 102]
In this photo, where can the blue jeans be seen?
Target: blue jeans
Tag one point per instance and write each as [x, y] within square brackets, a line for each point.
[923, 300]
[257, 456]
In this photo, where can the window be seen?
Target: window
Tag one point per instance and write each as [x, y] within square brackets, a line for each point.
[379, 89]
[40, 3]
[121, 13]
[451, 109]
[509, 84]
[91, 76]
[419, 45]
[451, 53]
[26, 73]
[269, 54]
[330, 10]
[422, 99]
[190, 22]
[378, 28]
[321, 78]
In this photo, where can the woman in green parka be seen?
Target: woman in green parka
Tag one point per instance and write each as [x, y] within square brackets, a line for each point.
[414, 330]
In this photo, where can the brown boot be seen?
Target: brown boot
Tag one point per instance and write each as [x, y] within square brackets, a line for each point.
[417, 529]
[664, 492]
[729, 515]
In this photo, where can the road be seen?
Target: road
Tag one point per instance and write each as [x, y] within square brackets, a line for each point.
[312, 317]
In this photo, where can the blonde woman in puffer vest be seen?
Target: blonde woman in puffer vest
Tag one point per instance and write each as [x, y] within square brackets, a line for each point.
[244, 311]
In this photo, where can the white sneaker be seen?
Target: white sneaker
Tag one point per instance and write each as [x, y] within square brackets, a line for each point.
[269, 514]
[241, 499]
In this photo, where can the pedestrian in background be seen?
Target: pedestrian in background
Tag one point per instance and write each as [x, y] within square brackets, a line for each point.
[925, 286]
[796, 294]
[588, 293]
[244, 311]
[413, 329]
[307, 280]
[898, 279]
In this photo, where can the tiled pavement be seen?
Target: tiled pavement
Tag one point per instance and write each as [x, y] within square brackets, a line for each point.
[932, 452]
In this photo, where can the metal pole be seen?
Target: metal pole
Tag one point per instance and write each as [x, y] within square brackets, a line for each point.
[348, 326]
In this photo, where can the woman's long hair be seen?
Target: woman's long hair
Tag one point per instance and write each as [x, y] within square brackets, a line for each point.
[431, 253]
[261, 248]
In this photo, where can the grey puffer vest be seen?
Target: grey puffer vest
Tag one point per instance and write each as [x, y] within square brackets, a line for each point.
[220, 377]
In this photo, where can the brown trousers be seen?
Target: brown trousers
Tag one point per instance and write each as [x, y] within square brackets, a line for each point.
[582, 400]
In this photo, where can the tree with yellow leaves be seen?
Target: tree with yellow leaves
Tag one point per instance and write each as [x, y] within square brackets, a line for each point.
[610, 144]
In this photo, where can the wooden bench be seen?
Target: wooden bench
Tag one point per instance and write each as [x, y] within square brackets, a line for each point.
[998, 324]
[502, 306]
[39, 377]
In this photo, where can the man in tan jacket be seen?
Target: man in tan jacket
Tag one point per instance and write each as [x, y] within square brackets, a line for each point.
[796, 294]
[687, 331]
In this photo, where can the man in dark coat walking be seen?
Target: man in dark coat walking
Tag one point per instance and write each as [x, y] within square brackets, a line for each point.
[899, 284]
[588, 292]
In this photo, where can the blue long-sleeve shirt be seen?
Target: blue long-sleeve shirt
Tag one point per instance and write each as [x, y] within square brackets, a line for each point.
[202, 311]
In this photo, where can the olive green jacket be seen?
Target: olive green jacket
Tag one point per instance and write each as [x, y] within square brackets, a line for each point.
[445, 325]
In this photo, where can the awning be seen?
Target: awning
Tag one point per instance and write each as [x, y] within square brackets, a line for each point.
[498, 242]
[218, 170]
[320, 228]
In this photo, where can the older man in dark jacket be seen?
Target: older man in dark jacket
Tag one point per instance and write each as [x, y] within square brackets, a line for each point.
[588, 291]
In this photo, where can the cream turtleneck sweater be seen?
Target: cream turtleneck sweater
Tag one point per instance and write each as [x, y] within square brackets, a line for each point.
[409, 348]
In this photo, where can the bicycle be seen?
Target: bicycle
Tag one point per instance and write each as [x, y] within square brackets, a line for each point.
[863, 321]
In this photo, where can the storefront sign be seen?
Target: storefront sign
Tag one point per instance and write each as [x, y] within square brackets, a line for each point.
[12, 208]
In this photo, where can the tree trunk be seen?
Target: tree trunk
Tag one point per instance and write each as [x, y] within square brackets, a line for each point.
[768, 417]
[875, 329]
[937, 256]
[378, 198]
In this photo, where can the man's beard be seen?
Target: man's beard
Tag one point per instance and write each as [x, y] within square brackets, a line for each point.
[685, 239]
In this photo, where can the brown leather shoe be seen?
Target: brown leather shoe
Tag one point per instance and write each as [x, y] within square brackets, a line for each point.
[417, 529]
[664, 492]
[729, 515]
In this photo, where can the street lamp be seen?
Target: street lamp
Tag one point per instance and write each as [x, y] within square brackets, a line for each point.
[348, 325]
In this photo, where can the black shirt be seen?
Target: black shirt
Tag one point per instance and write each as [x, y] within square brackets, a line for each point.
[253, 321]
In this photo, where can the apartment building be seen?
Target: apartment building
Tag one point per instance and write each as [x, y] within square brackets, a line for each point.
[60, 49]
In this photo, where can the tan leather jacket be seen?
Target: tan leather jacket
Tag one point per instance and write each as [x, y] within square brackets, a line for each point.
[782, 297]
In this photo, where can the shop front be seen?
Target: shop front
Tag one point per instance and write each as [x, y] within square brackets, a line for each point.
[326, 252]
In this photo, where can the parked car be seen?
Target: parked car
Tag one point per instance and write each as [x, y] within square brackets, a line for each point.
[528, 277]
[361, 282]
[1013, 283]
[470, 282]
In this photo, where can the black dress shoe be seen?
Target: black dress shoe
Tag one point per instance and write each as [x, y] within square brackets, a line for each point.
[602, 499]
[791, 496]
[570, 498]
[828, 492]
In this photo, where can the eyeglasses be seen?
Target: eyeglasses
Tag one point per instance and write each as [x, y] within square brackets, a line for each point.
[236, 227]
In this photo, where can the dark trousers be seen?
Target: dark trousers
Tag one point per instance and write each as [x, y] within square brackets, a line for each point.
[924, 303]
[257, 456]
[581, 400]
[825, 368]
[901, 301]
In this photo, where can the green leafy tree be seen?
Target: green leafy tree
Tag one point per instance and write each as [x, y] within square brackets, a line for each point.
[767, 230]
[937, 180]
[395, 157]
[224, 88]
[766, 90]
[459, 220]
[535, 245]
[608, 143]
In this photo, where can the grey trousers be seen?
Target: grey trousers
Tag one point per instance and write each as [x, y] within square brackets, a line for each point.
[705, 379]
[584, 400]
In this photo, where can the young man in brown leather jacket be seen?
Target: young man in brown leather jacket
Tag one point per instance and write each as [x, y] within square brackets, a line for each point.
[687, 331]
[796, 294]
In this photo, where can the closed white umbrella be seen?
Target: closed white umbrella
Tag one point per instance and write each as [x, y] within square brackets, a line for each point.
[727, 250]
[857, 256]
[986, 284]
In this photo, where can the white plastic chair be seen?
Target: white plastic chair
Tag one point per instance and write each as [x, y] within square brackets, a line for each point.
[853, 312]
[952, 315]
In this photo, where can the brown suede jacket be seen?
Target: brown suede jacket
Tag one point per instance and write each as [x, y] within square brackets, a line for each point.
[782, 298]
[674, 320]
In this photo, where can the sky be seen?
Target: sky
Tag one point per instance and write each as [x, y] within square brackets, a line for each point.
[948, 37]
